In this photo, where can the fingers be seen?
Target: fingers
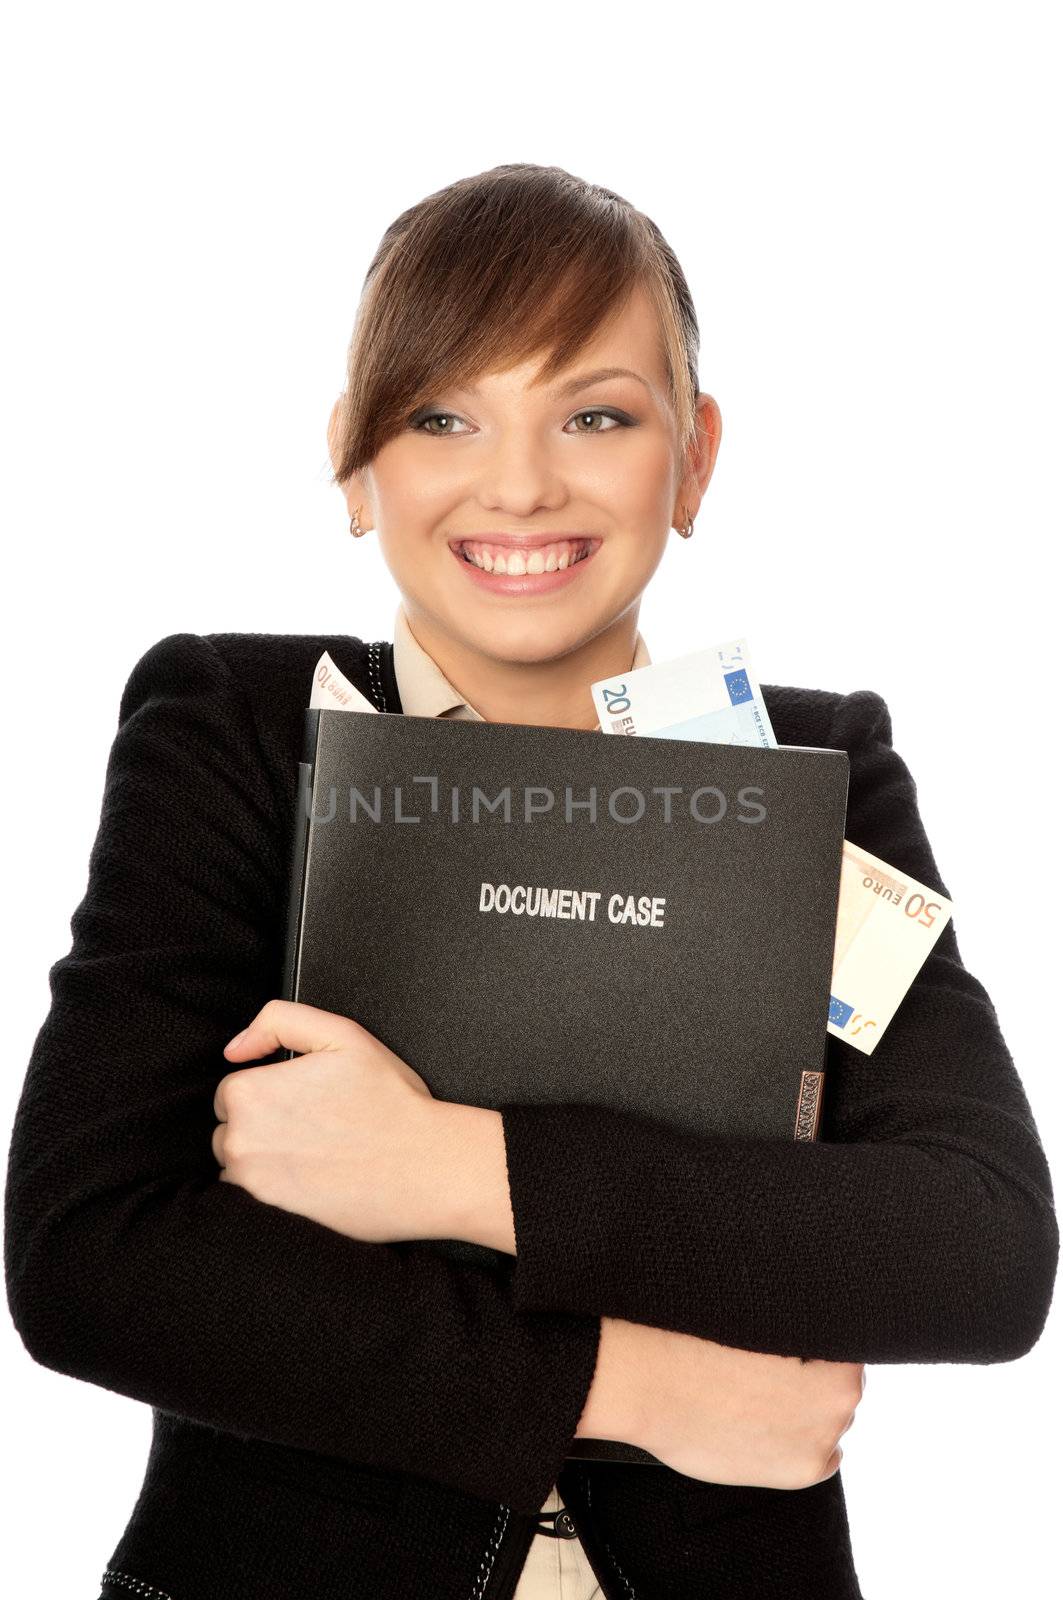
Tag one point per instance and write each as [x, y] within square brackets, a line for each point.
[290, 1025]
[287, 1025]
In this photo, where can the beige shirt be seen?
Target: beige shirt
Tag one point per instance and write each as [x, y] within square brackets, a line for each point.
[426, 692]
[555, 1569]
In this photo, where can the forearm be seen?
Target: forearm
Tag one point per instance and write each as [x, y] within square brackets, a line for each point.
[620, 1401]
[469, 1184]
[926, 1234]
[918, 1247]
[196, 1298]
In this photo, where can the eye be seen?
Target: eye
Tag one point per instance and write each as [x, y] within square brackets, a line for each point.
[417, 423]
[616, 417]
[421, 420]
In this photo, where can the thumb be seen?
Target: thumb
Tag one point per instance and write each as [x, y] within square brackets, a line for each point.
[290, 1025]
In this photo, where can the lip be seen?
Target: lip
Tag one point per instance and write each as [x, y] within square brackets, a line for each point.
[528, 583]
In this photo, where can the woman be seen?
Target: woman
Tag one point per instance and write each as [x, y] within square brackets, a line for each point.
[338, 1410]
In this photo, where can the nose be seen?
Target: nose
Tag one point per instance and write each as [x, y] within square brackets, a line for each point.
[520, 476]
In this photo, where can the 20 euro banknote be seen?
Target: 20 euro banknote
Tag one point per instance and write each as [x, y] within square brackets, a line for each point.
[712, 696]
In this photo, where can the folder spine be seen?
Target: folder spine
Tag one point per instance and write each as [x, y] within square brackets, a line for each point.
[300, 849]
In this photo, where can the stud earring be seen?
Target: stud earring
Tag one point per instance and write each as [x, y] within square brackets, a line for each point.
[356, 526]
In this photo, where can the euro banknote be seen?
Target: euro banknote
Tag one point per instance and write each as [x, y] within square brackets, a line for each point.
[331, 691]
[712, 695]
[887, 922]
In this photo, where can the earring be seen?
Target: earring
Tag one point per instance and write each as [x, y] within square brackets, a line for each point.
[688, 527]
[356, 526]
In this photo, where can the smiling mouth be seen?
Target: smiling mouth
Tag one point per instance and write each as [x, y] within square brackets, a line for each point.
[517, 562]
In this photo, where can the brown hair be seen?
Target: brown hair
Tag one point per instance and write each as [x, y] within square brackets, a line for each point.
[487, 272]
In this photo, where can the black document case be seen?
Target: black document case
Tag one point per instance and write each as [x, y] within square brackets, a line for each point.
[712, 1021]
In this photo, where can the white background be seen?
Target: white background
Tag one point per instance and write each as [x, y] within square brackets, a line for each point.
[865, 200]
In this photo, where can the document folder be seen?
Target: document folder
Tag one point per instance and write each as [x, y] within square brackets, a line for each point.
[541, 914]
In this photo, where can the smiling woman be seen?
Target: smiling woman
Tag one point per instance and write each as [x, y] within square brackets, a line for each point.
[338, 1409]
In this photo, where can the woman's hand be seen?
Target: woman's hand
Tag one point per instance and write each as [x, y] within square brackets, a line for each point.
[349, 1135]
[718, 1413]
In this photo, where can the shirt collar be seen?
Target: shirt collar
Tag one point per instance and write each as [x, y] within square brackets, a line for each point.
[426, 691]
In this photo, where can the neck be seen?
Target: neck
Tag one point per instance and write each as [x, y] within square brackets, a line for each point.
[547, 693]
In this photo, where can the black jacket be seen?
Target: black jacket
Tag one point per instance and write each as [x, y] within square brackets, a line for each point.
[341, 1419]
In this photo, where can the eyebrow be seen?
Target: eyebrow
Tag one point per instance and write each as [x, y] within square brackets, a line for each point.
[585, 379]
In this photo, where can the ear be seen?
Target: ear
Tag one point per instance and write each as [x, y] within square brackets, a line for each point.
[710, 432]
[354, 490]
[334, 433]
[701, 457]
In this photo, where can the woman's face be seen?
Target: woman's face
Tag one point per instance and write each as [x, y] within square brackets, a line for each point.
[505, 471]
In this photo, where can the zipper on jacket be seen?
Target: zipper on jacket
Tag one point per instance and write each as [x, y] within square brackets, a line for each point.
[126, 1580]
[487, 1560]
[376, 680]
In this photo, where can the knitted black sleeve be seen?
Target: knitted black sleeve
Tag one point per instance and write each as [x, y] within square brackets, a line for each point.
[919, 1227]
[129, 1264]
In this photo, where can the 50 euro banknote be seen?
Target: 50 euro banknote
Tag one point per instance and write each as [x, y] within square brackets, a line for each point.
[887, 922]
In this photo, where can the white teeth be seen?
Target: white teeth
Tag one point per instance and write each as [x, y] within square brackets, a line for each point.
[544, 558]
